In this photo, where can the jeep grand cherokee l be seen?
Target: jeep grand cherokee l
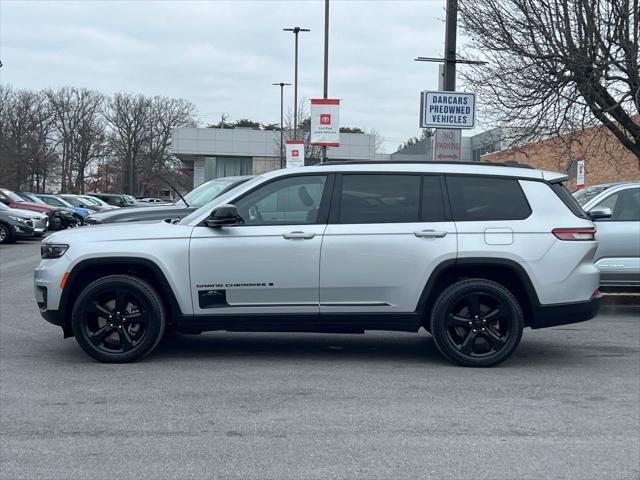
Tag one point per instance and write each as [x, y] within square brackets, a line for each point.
[473, 253]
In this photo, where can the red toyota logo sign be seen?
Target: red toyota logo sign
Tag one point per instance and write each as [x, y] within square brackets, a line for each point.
[295, 153]
[325, 119]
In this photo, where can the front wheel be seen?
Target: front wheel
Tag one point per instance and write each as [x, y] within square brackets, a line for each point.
[118, 319]
[5, 234]
[476, 323]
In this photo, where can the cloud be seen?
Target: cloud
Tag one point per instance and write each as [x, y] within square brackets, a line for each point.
[224, 55]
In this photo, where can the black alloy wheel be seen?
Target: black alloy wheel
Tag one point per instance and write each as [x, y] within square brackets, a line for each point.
[477, 322]
[118, 318]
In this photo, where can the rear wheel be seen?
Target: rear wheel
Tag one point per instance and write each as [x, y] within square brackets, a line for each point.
[5, 234]
[118, 319]
[477, 322]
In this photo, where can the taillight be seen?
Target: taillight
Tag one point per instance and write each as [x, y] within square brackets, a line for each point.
[579, 234]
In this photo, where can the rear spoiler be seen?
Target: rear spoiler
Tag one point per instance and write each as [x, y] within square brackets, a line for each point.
[554, 177]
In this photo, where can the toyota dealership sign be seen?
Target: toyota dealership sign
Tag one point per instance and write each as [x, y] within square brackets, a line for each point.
[295, 153]
[325, 122]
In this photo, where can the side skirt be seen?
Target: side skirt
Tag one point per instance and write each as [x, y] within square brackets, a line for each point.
[325, 323]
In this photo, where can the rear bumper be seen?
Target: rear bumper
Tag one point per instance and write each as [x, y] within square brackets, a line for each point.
[565, 313]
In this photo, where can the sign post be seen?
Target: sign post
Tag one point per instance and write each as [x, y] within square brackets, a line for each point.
[325, 122]
[295, 153]
[580, 173]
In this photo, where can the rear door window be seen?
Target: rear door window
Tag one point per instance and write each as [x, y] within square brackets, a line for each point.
[478, 198]
[374, 198]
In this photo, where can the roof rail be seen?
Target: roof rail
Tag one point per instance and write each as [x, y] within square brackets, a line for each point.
[507, 163]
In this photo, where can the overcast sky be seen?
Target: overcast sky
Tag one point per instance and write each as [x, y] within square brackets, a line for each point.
[224, 55]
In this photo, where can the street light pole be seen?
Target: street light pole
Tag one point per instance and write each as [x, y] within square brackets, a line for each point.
[326, 64]
[296, 31]
[281, 84]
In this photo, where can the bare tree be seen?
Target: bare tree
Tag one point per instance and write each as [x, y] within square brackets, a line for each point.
[164, 115]
[378, 140]
[24, 128]
[557, 65]
[128, 117]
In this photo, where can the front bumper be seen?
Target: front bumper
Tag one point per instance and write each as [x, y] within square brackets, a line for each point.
[565, 313]
[22, 230]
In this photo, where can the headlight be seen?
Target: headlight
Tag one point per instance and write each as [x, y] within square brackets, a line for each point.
[17, 219]
[52, 250]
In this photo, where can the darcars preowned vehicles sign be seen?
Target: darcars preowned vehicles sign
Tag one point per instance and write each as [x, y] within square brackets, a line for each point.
[325, 122]
[295, 153]
[447, 110]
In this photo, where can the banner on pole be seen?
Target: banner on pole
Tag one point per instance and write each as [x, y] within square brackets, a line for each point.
[325, 122]
[580, 173]
[295, 153]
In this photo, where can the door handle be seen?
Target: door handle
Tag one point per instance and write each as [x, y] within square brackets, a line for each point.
[298, 235]
[429, 234]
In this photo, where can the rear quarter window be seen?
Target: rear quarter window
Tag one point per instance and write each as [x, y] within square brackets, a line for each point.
[478, 198]
[569, 200]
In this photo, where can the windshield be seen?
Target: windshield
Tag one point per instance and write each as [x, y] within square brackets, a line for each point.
[34, 199]
[73, 201]
[56, 202]
[12, 196]
[206, 192]
[583, 196]
[91, 201]
[225, 197]
[129, 200]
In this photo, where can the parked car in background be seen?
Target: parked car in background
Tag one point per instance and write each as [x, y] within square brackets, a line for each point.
[618, 254]
[153, 201]
[57, 201]
[98, 202]
[119, 200]
[14, 225]
[195, 199]
[81, 202]
[58, 217]
[40, 220]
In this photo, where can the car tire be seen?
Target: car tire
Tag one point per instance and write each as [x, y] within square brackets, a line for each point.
[56, 223]
[118, 319]
[5, 234]
[476, 323]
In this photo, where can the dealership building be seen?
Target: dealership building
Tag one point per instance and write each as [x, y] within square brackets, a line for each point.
[214, 152]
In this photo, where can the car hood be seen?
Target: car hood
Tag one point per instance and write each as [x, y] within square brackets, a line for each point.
[135, 211]
[34, 207]
[27, 213]
[120, 232]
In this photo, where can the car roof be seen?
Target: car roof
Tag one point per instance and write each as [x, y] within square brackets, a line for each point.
[470, 168]
[616, 184]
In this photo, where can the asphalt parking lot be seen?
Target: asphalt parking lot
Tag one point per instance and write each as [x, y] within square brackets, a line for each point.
[278, 406]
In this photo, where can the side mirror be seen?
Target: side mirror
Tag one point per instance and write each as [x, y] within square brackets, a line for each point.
[598, 213]
[224, 215]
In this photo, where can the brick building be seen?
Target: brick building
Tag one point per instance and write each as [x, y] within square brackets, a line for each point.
[606, 160]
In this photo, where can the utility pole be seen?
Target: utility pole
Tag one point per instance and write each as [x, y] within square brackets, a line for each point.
[450, 46]
[295, 31]
[282, 85]
[326, 65]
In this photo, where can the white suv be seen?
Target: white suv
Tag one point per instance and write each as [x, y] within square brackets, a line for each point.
[471, 252]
